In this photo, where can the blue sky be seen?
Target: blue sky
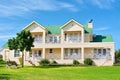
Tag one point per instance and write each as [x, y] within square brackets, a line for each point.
[16, 14]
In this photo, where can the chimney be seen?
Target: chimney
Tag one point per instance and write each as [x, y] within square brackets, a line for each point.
[90, 24]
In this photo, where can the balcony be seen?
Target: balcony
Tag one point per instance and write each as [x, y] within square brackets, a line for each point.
[53, 39]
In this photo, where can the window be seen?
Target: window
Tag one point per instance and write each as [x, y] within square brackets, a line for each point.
[71, 51]
[65, 36]
[70, 37]
[35, 53]
[66, 52]
[99, 51]
[51, 39]
[76, 51]
[39, 53]
[72, 24]
[16, 53]
[35, 38]
[38, 39]
[104, 51]
[55, 39]
[30, 54]
[108, 50]
[75, 37]
[95, 51]
[51, 51]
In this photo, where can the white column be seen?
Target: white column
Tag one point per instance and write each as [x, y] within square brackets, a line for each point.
[62, 53]
[82, 36]
[62, 36]
[82, 53]
[112, 54]
[43, 38]
[43, 53]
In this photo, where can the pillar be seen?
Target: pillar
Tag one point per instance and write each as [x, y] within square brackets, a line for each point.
[43, 53]
[82, 53]
[62, 53]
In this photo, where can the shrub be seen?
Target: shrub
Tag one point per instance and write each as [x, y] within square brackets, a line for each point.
[1, 60]
[117, 59]
[44, 62]
[88, 61]
[75, 62]
[117, 56]
[20, 60]
[54, 62]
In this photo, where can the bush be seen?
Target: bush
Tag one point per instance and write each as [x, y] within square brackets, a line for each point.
[1, 60]
[117, 59]
[75, 62]
[54, 62]
[44, 62]
[88, 61]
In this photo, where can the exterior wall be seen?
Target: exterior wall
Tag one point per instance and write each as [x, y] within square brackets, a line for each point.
[53, 56]
[87, 37]
[88, 53]
[72, 26]
[9, 55]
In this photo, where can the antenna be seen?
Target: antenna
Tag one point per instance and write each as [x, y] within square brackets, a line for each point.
[91, 21]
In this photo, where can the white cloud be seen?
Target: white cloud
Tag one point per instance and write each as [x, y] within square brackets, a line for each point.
[15, 7]
[6, 36]
[102, 4]
[101, 29]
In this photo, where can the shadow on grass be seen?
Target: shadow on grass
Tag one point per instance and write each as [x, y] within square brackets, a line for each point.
[4, 77]
[58, 66]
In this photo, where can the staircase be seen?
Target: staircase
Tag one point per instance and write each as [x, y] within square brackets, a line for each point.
[29, 63]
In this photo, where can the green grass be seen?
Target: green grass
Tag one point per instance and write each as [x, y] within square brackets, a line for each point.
[61, 73]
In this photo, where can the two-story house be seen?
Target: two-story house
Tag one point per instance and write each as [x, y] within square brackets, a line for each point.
[71, 41]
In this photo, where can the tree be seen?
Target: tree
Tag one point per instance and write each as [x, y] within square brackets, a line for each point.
[13, 44]
[117, 56]
[23, 42]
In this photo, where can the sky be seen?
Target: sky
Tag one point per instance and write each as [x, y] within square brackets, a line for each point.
[16, 14]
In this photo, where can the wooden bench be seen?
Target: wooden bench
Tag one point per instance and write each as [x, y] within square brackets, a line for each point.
[10, 63]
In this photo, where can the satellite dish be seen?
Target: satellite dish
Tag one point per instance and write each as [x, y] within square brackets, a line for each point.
[91, 21]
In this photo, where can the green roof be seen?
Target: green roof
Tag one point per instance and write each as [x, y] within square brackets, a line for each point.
[55, 29]
[102, 38]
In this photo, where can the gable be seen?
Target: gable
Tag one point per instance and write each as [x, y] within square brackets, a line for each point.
[35, 27]
[72, 26]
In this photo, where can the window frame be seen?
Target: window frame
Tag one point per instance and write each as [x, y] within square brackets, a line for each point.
[50, 51]
[16, 53]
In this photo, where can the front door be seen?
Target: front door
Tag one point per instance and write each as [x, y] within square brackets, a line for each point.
[37, 55]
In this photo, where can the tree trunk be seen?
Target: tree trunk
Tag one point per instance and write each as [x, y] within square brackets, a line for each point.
[22, 59]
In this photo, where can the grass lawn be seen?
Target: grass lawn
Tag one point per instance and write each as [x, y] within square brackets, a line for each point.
[61, 73]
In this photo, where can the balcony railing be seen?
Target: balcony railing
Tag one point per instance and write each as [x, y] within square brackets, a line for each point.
[72, 56]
